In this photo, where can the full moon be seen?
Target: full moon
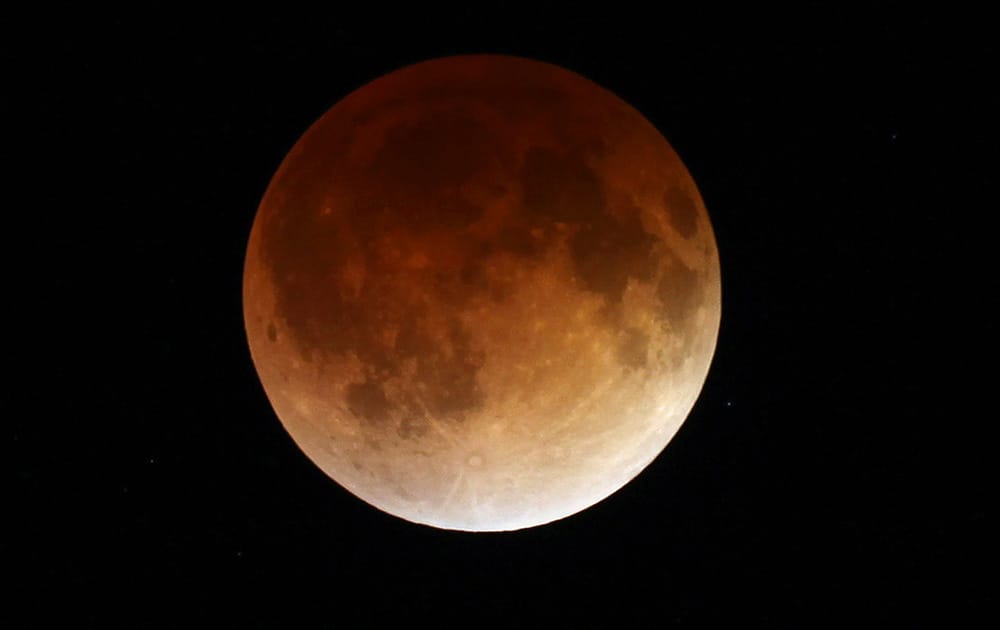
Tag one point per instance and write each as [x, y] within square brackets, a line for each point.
[482, 293]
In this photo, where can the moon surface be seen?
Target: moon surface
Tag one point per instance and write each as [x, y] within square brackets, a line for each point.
[482, 293]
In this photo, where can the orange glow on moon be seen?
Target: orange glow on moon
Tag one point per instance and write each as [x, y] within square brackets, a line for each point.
[482, 293]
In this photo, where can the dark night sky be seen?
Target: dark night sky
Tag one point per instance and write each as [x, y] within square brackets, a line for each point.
[828, 470]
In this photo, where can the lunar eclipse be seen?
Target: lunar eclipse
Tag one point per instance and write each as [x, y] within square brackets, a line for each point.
[482, 293]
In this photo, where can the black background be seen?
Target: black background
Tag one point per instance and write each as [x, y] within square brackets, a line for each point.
[830, 470]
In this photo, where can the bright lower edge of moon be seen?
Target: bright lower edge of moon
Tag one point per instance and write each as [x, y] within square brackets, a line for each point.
[482, 293]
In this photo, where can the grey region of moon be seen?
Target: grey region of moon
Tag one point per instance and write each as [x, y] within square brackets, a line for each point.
[482, 293]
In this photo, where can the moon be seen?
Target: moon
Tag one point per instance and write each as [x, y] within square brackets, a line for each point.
[482, 293]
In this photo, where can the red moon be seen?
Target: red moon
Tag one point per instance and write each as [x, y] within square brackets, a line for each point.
[482, 293]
